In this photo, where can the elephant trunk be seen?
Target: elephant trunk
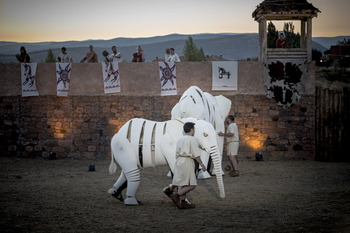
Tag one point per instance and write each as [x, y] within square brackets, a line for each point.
[214, 153]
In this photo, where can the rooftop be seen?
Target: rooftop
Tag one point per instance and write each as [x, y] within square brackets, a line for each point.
[285, 9]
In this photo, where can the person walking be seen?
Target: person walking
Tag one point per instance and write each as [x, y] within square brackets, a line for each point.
[184, 172]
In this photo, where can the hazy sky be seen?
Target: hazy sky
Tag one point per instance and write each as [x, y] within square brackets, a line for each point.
[62, 20]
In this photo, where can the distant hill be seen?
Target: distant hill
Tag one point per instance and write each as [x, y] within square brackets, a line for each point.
[232, 46]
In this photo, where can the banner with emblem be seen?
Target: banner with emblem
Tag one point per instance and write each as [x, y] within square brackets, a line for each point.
[224, 75]
[63, 71]
[111, 77]
[167, 74]
[28, 78]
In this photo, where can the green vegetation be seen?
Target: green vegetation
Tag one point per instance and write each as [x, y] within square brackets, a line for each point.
[316, 56]
[294, 39]
[50, 57]
[272, 35]
[191, 52]
[336, 73]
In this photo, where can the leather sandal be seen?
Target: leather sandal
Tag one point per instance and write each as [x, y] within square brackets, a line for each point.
[234, 173]
[175, 198]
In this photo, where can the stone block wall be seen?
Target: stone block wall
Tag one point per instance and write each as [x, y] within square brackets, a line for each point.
[279, 133]
[82, 127]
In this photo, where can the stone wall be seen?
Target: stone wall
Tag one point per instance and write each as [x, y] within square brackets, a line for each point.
[81, 125]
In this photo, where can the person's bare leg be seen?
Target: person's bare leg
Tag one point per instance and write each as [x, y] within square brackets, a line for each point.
[184, 190]
[233, 162]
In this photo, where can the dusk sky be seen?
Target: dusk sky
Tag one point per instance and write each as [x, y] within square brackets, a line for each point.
[63, 20]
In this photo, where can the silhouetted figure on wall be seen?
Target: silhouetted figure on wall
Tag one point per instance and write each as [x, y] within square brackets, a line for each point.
[23, 57]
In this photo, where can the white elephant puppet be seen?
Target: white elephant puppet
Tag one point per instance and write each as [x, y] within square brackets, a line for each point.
[202, 105]
[145, 143]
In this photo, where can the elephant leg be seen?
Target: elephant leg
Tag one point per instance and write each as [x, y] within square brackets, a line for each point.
[127, 159]
[118, 187]
[133, 178]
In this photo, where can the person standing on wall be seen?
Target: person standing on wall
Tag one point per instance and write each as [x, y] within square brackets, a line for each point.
[167, 54]
[91, 56]
[23, 57]
[115, 56]
[64, 56]
[173, 57]
[139, 56]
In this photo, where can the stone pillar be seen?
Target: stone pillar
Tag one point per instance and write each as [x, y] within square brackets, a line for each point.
[309, 40]
[262, 40]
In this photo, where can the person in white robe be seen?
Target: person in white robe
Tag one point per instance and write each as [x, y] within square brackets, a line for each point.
[64, 57]
[173, 57]
[232, 139]
[115, 56]
[184, 173]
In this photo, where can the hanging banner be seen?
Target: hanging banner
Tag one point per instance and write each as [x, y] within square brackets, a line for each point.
[167, 74]
[63, 71]
[111, 78]
[28, 77]
[224, 75]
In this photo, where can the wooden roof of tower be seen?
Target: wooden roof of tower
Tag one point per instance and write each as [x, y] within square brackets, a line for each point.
[285, 10]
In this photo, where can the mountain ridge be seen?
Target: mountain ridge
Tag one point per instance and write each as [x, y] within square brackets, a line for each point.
[233, 46]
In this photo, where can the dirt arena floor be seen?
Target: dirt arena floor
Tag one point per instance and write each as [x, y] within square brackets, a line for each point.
[63, 196]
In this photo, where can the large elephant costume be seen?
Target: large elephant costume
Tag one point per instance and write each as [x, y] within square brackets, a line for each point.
[145, 143]
[202, 105]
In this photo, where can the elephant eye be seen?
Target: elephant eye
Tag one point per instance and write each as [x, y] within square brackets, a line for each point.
[205, 134]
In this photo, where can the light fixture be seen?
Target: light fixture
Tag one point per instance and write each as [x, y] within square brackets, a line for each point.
[259, 156]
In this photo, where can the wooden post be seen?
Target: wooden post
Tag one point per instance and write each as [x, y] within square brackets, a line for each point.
[309, 40]
[262, 40]
[302, 34]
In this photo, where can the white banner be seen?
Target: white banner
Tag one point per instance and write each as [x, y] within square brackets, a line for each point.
[63, 71]
[224, 75]
[111, 78]
[28, 77]
[167, 74]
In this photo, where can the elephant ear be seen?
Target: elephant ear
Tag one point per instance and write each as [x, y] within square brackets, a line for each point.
[224, 105]
[175, 112]
[174, 129]
[168, 148]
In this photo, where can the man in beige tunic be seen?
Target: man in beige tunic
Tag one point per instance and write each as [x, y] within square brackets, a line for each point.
[184, 171]
[232, 139]
[91, 56]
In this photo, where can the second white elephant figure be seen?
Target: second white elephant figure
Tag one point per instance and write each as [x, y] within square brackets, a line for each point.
[145, 143]
[202, 105]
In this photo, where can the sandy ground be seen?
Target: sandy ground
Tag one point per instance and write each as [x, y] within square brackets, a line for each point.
[63, 196]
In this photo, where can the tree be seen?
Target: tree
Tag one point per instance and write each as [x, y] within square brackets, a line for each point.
[294, 39]
[272, 35]
[191, 52]
[201, 55]
[50, 57]
[316, 56]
